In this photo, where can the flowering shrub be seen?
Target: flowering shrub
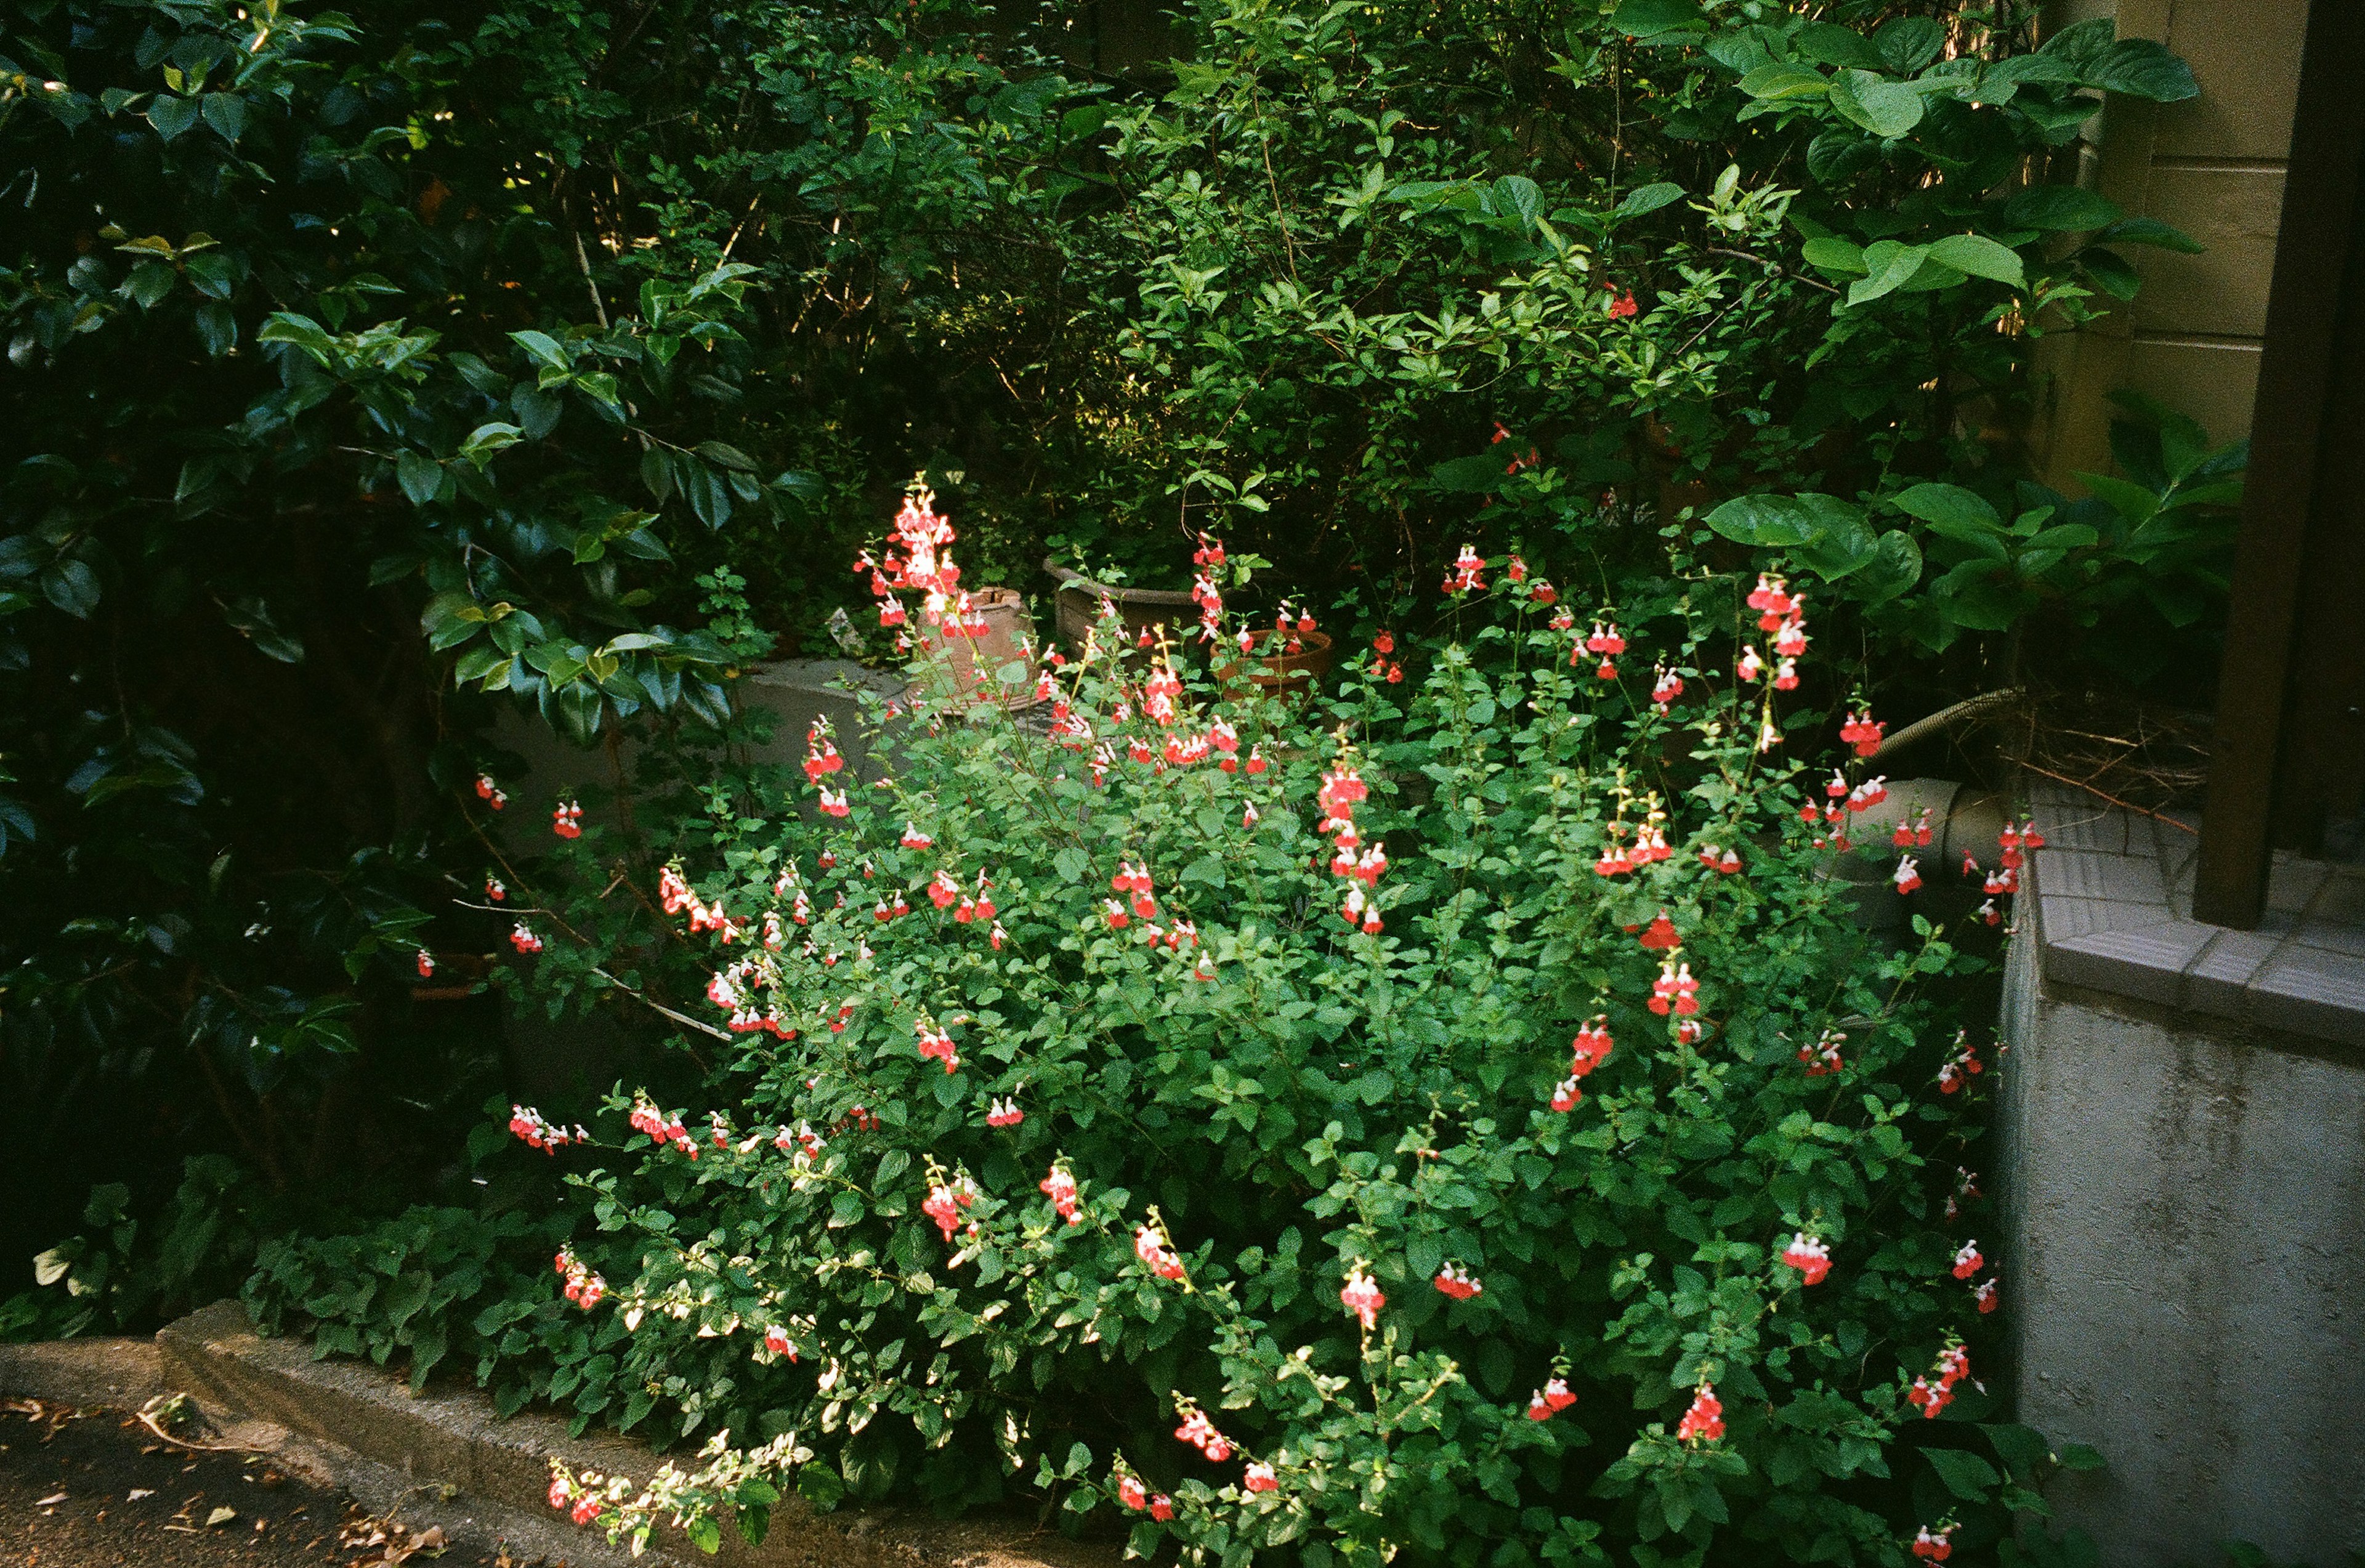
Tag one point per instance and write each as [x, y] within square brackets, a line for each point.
[1453, 1121]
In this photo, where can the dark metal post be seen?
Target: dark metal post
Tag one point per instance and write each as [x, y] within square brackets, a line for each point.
[2312, 327]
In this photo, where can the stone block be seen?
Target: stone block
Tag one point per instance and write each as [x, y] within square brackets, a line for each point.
[121, 1374]
[2183, 1265]
[2245, 54]
[453, 1436]
[2235, 213]
[2212, 382]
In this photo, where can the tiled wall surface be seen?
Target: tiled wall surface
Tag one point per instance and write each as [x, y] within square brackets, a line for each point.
[2214, 167]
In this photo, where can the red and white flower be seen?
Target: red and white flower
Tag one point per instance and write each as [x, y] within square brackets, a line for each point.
[1591, 1047]
[1675, 990]
[1060, 1186]
[1809, 1256]
[1468, 573]
[1150, 1245]
[937, 1045]
[1704, 1422]
[1201, 1433]
[1822, 1057]
[946, 1203]
[1455, 1281]
[1361, 1296]
[1862, 731]
[1550, 1400]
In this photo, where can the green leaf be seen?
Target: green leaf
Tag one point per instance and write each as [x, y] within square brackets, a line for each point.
[2022, 1449]
[2065, 536]
[1652, 20]
[1966, 1474]
[1781, 522]
[171, 115]
[538, 413]
[708, 496]
[298, 332]
[1979, 256]
[1950, 505]
[1830, 253]
[2150, 231]
[1907, 44]
[821, 1485]
[487, 439]
[1648, 198]
[2083, 43]
[226, 112]
[72, 587]
[544, 349]
[726, 455]
[1834, 45]
[2143, 69]
[1519, 197]
[149, 282]
[420, 475]
[2059, 209]
[1888, 109]
[1888, 266]
[2131, 501]
[216, 327]
[1895, 567]
[2078, 1456]
[1840, 155]
[1779, 82]
[1842, 546]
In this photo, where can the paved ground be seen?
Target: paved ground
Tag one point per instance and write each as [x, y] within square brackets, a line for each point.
[96, 1488]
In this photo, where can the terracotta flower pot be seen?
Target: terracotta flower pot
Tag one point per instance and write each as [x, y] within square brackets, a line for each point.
[1080, 607]
[975, 661]
[1283, 674]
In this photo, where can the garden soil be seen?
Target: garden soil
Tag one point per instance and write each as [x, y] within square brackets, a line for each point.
[96, 1488]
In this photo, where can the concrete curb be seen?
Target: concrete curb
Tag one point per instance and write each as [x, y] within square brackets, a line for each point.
[453, 1441]
[120, 1373]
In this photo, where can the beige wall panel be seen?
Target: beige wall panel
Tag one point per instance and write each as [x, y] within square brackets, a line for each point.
[2233, 212]
[2246, 56]
[2075, 371]
[2211, 383]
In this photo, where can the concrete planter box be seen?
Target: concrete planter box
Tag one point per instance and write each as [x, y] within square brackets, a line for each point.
[2183, 1115]
[357, 1426]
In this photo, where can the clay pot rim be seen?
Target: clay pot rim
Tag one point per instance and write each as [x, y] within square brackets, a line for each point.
[1067, 578]
[1316, 643]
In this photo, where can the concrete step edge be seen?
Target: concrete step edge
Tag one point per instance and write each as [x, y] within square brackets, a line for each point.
[454, 1439]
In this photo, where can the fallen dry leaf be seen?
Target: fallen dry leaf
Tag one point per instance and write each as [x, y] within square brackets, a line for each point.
[140, 1492]
[52, 1498]
[220, 1517]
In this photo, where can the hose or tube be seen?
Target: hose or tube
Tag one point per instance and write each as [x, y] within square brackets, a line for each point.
[1946, 718]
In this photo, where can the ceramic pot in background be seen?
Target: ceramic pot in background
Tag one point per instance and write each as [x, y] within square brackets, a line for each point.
[1141, 609]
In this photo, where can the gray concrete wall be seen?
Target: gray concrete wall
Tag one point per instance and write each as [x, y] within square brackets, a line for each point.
[2185, 1209]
